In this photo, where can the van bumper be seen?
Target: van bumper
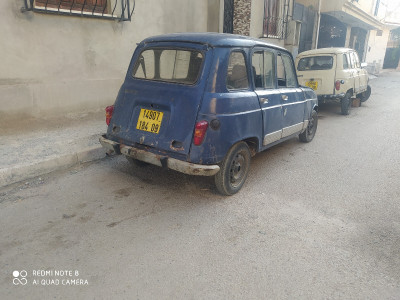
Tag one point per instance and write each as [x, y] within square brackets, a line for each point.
[331, 97]
[159, 160]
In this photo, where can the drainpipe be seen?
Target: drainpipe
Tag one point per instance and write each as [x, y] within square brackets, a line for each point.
[319, 20]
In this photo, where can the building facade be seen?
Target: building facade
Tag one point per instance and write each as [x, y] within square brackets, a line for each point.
[63, 58]
[72, 55]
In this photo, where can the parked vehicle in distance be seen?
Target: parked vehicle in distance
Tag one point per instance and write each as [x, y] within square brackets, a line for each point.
[335, 74]
[203, 104]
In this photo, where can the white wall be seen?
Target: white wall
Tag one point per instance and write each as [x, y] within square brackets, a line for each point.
[376, 50]
[56, 64]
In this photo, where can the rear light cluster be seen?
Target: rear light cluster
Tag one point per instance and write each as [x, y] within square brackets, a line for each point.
[337, 84]
[199, 132]
[109, 113]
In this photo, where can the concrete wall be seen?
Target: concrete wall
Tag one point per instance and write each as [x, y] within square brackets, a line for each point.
[257, 18]
[55, 64]
[257, 23]
[331, 5]
[376, 50]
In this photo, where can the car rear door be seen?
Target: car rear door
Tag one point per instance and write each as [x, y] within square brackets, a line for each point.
[264, 78]
[159, 100]
[292, 97]
[317, 72]
[355, 71]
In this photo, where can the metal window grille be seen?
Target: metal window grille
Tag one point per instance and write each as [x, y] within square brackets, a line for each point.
[274, 27]
[276, 17]
[121, 10]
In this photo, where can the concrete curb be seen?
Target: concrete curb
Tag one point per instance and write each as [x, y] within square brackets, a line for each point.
[18, 173]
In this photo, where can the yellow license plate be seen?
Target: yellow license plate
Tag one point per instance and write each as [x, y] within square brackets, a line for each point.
[312, 84]
[149, 120]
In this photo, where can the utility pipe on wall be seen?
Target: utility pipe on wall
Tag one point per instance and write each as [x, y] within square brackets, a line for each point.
[318, 24]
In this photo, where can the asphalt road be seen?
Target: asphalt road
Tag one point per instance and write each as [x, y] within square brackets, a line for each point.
[313, 221]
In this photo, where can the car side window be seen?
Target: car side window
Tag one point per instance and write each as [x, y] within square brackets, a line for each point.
[289, 70]
[269, 70]
[257, 62]
[280, 72]
[345, 62]
[236, 78]
[263, 67]
[285, 71]
[356, 59]
[352, 62]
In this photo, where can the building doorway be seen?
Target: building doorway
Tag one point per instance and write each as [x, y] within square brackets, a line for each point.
[307, 29]
[228, 16]
[357, 41]
[332, 32]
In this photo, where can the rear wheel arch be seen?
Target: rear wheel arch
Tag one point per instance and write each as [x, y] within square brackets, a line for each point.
[253, 144]
[350, 91]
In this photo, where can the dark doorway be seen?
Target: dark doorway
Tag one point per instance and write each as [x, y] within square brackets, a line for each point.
[228, 16]
[392, 58]
[332, 32]
[307, 29]
[357, 41]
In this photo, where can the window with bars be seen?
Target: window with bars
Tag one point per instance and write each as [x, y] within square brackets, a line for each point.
[106, 9]
[275, 18]
[98, 6]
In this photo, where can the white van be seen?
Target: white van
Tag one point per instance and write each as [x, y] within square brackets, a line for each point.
[335, 74]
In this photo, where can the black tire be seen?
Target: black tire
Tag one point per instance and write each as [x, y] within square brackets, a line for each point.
[365, 95]
[136, 163]
[345, 104]
[234, 169]
[308, 134]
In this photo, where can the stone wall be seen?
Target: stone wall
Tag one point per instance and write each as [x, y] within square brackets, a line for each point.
[242, 17]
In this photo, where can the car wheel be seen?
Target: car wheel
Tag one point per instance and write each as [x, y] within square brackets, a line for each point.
[308, 134]
[345, 104]
[136, 163]
[234, 169]
[365, 95]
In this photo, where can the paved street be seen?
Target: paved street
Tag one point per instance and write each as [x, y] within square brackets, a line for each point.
[313, 221]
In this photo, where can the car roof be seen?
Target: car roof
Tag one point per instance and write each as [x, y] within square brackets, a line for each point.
[325, 51]
[212, 39]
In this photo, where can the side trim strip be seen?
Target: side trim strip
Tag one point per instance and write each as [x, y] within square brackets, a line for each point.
[292, 129]
[272, 137]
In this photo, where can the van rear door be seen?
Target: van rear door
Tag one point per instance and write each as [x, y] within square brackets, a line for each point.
[158, 103]
[317, 72]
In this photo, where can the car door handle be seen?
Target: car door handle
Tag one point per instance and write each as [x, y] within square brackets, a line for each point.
[285, 97]
[264, 100]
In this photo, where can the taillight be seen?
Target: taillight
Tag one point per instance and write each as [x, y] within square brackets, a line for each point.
[337, 85]
[199, 132]
[109, 113]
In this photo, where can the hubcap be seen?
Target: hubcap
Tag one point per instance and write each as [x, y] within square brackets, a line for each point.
[237, 169]
[310, 127]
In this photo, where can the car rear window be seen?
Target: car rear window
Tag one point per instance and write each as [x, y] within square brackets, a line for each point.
[315, 63]
[171, 65]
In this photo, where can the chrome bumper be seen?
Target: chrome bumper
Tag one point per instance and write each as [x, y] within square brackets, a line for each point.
[159, 160]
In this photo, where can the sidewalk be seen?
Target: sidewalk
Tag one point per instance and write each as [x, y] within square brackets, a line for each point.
[33, 147]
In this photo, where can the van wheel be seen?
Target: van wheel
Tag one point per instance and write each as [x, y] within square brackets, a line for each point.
[365, 95]
[308, 134]
[345, 104]
[234, 169]
[136, 163]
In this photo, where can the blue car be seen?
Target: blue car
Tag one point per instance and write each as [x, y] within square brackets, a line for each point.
[204, 103]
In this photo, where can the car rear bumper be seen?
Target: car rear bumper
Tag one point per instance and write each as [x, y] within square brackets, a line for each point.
[159, 160]
[331, 97]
